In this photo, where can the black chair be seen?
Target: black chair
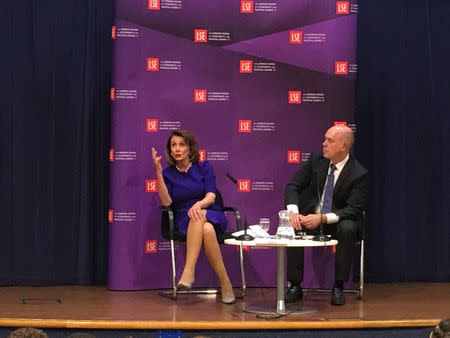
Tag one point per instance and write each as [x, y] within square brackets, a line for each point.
[175, 237]
[360, 290]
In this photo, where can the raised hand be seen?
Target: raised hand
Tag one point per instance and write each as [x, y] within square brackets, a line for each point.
[156, 160]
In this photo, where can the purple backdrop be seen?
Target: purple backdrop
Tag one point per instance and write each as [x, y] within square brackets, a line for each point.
[258, 88]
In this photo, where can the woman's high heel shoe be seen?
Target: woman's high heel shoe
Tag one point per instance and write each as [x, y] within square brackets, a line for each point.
[228, 300]
[184, 286]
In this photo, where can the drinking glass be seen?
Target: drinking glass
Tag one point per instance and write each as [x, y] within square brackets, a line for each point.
[264, 223]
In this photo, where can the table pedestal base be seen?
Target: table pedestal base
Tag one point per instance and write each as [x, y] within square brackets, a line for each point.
[268, 308]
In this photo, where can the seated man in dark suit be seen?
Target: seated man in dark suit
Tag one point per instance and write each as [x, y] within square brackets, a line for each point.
[342, 184]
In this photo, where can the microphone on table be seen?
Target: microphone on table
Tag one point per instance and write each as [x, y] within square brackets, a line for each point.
[320, 237]
[244, 236]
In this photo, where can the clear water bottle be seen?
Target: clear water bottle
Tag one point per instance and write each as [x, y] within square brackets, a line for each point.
[285, 230]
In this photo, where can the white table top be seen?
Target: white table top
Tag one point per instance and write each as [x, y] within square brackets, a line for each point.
[281, 242]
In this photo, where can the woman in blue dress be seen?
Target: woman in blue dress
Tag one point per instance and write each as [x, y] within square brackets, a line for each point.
[189, 186]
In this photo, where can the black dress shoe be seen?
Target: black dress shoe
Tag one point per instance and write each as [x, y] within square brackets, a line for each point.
[337, 297]
[293, 294]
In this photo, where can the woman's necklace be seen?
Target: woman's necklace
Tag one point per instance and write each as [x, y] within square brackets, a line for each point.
[183, 170]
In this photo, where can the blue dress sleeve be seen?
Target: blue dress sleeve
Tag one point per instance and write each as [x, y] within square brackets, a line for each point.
[167, 181]
[209, 178]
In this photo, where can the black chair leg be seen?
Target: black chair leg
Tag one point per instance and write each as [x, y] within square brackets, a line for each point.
[361, 271]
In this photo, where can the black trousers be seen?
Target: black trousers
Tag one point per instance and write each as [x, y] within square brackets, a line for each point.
[347, 232]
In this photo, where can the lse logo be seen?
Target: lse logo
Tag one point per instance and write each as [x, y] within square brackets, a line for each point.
[295, 96]
[113, 32]
[111, 154]
[245, 126]
[295, 37]
[340, 123]
[246, 6]
[293, 156]
[153, 64]
[200, 35]
[202, 153]
[200, 95]
[151, 246]
[244, 185]
[110, 216]
[113, 94]
[341, 67]
[245, 66]
[151, 125]
[151, 186]
[342, 7]
[154, 5]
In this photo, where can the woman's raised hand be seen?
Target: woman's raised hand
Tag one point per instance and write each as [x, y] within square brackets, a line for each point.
[156, 160]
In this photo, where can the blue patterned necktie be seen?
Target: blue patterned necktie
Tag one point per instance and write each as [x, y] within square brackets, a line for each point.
[328, 194]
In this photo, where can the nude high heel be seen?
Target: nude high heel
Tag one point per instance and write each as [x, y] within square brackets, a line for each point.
[228, 300]
[184, 286]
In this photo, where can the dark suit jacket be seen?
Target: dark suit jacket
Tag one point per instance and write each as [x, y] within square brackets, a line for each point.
[350, 192]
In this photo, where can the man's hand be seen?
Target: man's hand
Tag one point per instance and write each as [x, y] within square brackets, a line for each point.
[311, 221]
[296, 221]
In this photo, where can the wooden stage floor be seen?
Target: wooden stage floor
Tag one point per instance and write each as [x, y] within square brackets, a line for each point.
[88, 307]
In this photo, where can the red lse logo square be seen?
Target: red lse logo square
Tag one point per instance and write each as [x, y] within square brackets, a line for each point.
[293, 156]
[295, 37]
[111, 155]
[340, 123]
[200, 95]
[113, 94]
[153, 64]
[113, 32]
[200, 35]
[151, 185]
[246, 6]
[245, 126]
[151, 246]
[154, 5]
[151, 125]
[295, 96]
[341, 67]
[245, 66]
[202, 153]
[342, 7]
[244, 185]
[110, 216]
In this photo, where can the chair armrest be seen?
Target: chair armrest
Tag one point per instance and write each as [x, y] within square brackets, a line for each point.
[237, 216]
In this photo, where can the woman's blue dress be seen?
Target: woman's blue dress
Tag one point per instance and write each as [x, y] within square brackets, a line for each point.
[187, 188]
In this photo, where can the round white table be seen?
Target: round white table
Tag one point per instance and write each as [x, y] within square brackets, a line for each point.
[281, 244]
